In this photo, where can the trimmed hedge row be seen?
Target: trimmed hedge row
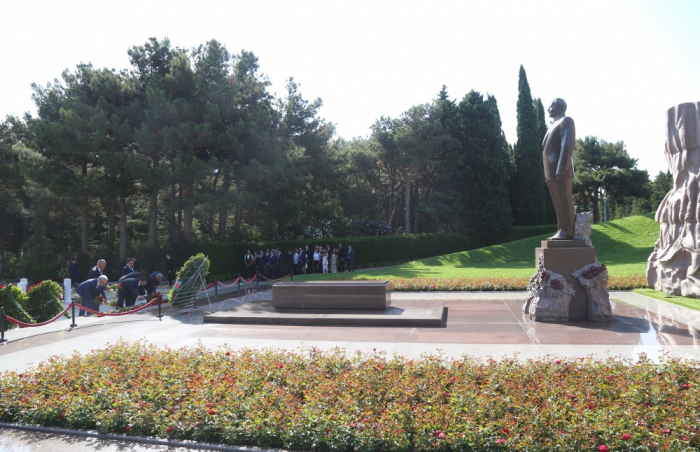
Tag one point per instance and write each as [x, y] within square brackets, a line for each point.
[227, 258]
[369, 251]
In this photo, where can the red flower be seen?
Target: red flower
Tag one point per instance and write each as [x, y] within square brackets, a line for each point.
[603, 448]
[281, 366]
[365, 420]
[127, 429]
[685, 438]
[352, 425]
[441, 436]
[169, 429]
[209, 405]
[461, 435]
[626, 436]
[228, 353]
[361, 427]
[506, 430]
[647, 405]
[667, 431]
[500, 441]
[685, 386]
[65, 381]
[212, 412]
[143, 358]
[63, 416]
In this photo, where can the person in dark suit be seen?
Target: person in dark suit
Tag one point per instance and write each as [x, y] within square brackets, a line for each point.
[302, 262]
[132, 275]
[341, 258]
[89, 290]
[154, 280]
[351, 259]
[290, 262]
[97, 270]
[74, 270]
[170, 269]
[260, 263]
[137, 265]
[129, 267]
[271, 259]
[130, 289]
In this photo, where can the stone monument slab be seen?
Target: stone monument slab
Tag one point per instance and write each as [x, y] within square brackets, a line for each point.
[329, 295]
[566, 257]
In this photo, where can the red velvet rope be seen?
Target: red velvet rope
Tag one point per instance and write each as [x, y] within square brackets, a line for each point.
[230, 285]
[275, 280]
[115, 314]
[20, 323]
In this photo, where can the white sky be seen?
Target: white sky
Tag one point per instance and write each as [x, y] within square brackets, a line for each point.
[619, 64]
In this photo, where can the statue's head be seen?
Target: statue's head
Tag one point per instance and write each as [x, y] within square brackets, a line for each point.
[558, 106]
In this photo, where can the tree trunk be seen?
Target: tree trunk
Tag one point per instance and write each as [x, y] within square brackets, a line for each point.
[187, 217]
[112, 225]
[416, 215]
[122, 229]
[83, 228]
[179, 212]
[153, 221]
[407, 189]
[171, 216]
[596, 210]
[223, 213]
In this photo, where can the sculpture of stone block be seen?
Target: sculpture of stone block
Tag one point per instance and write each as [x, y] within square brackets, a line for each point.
[582, 227]
[674, 266]
[549, 299]
[594, 278]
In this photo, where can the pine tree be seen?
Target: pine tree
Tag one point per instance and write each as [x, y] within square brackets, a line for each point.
[528, 189]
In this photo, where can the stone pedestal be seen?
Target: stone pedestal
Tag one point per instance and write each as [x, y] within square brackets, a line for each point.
[565, 257]
[344, 295]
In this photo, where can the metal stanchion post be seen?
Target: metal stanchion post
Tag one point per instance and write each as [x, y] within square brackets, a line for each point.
[239, 282]
[2, 325]
[216, 288]
[160, 315]
[72, 314]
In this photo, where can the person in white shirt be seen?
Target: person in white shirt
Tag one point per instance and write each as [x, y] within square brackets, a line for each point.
[325, 262]
[295, 270]
[317, 260]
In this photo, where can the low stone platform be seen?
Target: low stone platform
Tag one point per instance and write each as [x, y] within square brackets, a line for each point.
[405, 313]
[362, 295]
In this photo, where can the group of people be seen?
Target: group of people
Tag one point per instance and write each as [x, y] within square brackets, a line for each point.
[298, 261]
[132, 283]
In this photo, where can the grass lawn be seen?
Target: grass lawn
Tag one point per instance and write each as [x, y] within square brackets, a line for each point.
[692, 303]
[622, 245]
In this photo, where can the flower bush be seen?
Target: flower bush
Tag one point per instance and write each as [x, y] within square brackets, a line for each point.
[497, 283]
[334, 401]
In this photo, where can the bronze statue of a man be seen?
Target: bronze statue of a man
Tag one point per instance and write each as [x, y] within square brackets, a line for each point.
[557, 152]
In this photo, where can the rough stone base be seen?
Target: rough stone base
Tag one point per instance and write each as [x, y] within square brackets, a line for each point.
[565, 257]
[594, 278]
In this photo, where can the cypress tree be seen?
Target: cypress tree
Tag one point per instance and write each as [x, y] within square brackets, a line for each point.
[528, 187]
[489, 214]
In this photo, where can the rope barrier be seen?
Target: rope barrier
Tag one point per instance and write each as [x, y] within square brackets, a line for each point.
[115, 314]
[232, 284]
[275, 280]
[20, 323]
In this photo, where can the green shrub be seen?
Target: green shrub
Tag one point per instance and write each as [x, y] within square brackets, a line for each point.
[42, 301]
[12, 299]
[43, 272]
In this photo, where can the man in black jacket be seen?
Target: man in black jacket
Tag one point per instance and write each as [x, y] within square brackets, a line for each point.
[129, 289]
[341, 258]
[129, 267]
[154, 280]
[97, 270]
[170, 269]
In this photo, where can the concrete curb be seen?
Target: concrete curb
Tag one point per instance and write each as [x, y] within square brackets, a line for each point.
[134, 439]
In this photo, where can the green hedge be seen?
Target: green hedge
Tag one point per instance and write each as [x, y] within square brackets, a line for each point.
[227, 258]
[524, 232]
[369, 251]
